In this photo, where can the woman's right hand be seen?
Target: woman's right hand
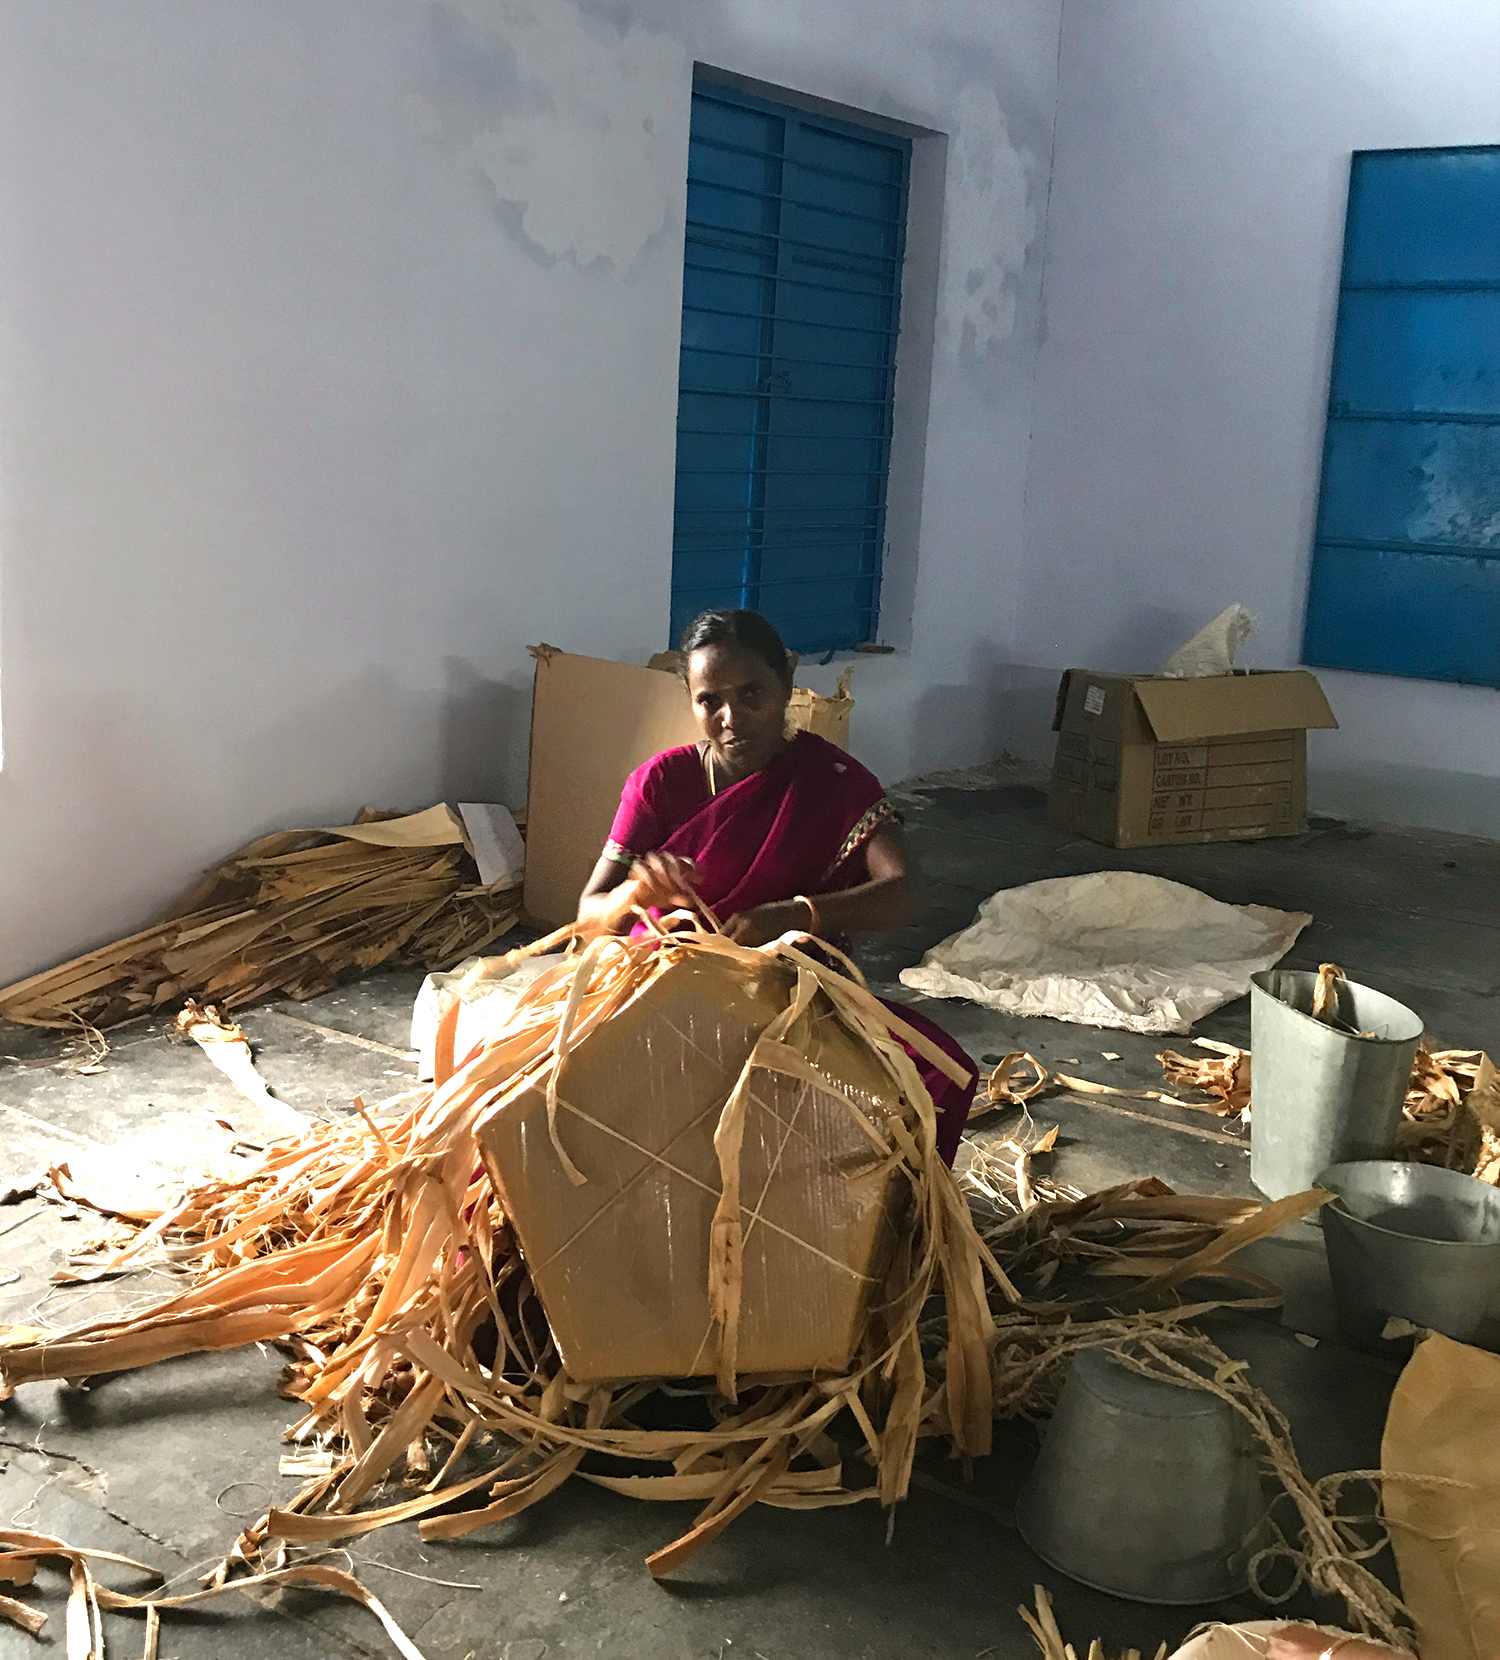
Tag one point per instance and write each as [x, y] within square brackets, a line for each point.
[661, 881]
[1309, 1642]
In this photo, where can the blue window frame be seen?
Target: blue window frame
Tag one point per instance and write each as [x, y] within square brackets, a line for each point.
[790, 304]
[1406, 565]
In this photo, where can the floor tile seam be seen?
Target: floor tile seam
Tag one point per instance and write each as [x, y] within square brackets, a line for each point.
[334, 1035]
[50, 1455]
[62, 1062]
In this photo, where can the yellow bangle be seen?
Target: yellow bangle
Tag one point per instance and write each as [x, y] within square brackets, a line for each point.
[815, 920]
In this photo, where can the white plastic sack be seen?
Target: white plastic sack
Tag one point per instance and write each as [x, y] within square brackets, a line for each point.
[1113, 949]
[1211, 650]
[486, 1005]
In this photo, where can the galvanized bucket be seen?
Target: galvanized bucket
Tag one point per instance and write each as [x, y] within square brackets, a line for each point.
[1144, 1489]
[1415, 1241]
[1320, 1095]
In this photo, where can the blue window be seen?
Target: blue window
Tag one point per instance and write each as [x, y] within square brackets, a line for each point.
[790, 302]
[1406, 566]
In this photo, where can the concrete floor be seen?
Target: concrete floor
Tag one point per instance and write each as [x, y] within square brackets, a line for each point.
[164, 1464]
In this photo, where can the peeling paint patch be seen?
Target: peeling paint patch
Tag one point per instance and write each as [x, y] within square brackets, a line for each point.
[1459, 488]
[989, 224]
[560, 120]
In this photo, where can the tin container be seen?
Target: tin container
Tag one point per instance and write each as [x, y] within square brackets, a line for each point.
[1143, 1488]
[1320, 1095]
[1414, 1241]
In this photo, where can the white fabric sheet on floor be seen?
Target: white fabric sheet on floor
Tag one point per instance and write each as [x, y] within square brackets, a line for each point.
[1116, 948]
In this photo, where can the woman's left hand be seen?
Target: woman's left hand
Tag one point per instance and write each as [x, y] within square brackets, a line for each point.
[767, 922]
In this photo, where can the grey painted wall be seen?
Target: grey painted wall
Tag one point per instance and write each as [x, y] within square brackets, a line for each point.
[338, 345]
[1192, 261]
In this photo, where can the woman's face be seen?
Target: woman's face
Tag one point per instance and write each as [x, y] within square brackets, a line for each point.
[740, 704]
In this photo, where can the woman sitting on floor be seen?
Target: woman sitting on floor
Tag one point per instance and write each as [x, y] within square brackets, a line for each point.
[774, 833]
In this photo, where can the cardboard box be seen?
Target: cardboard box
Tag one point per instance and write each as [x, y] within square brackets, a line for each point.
[593, 723]
[621, 1262]
[1143, 761]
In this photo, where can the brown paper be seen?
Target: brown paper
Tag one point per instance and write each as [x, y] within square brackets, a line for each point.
[1441, 1465]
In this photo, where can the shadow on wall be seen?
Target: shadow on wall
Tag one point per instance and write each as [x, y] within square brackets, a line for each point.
[1002, 706]
[486, 724]
[160, 805]
[1140, 638]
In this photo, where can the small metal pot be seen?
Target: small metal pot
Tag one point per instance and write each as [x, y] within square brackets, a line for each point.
[1144, 1489]
[1415, 1241]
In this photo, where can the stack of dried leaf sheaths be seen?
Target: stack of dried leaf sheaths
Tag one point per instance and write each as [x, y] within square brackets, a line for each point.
[380, 1256]
[288, 914]
[377, 1254]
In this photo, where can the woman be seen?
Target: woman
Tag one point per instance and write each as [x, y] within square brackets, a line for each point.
[773, 833]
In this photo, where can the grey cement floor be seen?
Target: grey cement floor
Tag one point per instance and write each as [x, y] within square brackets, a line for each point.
[165, 1464]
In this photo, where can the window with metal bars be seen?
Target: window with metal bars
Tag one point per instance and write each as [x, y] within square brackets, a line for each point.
[790, 305]
[1406, 565]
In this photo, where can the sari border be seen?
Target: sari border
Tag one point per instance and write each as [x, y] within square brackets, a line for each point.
[883, 812]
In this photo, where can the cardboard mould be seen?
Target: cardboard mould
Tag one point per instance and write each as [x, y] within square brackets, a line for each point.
[620, 1260]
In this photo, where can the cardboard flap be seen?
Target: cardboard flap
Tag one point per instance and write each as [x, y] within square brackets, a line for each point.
[1224, 705]
[1062, 700]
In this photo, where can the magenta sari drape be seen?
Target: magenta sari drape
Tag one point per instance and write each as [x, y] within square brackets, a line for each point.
[798, 826]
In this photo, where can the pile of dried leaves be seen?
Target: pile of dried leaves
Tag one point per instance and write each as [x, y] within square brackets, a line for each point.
[377, 1254]
[288, 914]
[1452, 1112]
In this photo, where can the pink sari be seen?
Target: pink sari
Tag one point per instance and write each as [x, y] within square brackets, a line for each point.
[798, 826]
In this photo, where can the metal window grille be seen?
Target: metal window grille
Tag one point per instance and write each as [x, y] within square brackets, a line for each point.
[1406, 563]
[791, 300]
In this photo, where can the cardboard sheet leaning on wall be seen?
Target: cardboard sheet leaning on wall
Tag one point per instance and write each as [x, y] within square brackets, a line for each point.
[289, 913]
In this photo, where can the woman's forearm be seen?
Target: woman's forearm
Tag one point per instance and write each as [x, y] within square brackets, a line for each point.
[601, 913]
[886, 902]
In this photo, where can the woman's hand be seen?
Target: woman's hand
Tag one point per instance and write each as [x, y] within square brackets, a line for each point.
[768, 922]
[662, 881]
[1307, 1642]
[613, 896]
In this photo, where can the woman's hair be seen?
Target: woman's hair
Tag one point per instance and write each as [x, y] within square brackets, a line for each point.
[746, 629]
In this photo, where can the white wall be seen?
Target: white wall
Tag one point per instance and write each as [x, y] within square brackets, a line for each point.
[1192, 262]
[338, 363]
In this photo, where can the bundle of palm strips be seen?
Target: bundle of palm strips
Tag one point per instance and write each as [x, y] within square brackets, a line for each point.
[380, 1256]
[288, 914]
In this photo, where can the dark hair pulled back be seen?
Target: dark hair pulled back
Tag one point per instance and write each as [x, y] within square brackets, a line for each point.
[746, 629]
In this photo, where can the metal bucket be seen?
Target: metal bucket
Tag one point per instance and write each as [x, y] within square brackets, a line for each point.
[1144, 1489]
[1413, 1240]
[1320, 1096]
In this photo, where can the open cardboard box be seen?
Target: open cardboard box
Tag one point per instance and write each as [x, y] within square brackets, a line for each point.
[1147, 761]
